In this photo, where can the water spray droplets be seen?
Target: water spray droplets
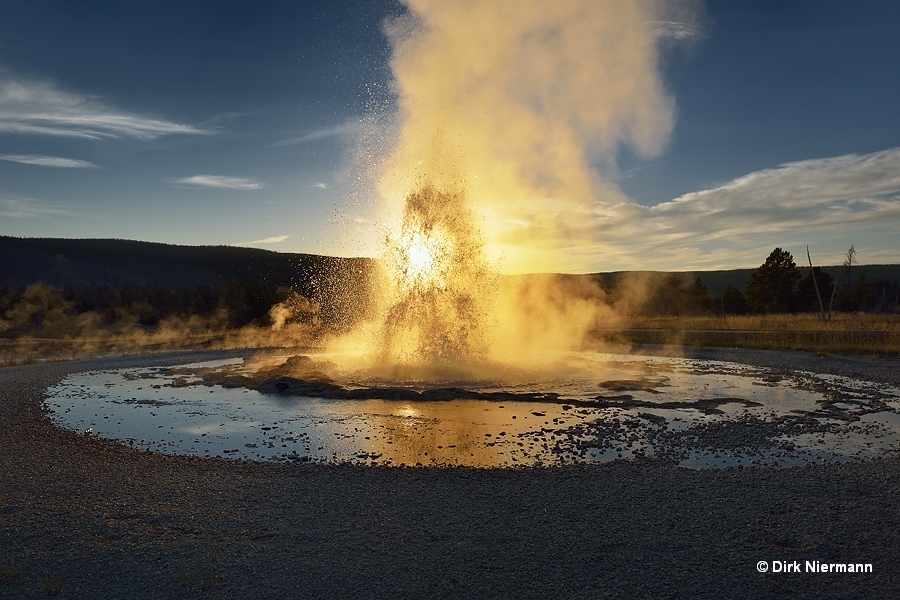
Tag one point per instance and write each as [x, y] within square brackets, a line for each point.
[439, 283]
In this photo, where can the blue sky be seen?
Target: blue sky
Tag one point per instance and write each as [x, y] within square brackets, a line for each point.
[237, 123]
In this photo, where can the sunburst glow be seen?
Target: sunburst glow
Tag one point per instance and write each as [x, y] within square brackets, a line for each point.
[436, 282]
[420, 254]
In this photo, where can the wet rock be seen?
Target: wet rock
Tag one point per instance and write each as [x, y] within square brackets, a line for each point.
[632, 385]
[236, 381]
[657, 419]
[290, 386]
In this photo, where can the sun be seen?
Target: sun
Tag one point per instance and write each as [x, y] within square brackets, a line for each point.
[420, 255]
[421, 258]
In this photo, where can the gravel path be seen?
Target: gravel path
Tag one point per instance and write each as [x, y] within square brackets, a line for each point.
[94, 519]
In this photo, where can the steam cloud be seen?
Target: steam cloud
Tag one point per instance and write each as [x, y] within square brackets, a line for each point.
[523, 104]
[508, 112]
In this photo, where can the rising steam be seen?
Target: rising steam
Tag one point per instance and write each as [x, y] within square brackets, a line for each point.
[508, 112]
[526, 102]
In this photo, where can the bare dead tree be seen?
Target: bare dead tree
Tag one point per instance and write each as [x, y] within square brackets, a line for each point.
[884, 303]
[848, 263]
[818, 294]
[831, 302]
[848, 268]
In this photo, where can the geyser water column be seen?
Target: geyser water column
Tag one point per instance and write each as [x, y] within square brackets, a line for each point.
[439, 284]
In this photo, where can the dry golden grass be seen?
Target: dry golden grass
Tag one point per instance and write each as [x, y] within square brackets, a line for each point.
[117, 341]
[786, 322]
[846, 333]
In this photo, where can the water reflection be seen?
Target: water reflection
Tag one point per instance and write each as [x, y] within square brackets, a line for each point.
[598, 407]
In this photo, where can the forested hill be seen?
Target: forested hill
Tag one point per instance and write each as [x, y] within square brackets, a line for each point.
[717, 281]
[116, 263]
[47, 284]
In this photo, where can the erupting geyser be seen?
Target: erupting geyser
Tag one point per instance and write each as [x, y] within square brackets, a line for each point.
[447, 313]
[439, 283]
[509, 117]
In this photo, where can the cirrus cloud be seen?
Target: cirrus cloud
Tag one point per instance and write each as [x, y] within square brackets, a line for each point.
[829, 203]
[48, 161]
[348, 128]
[674, 30]
[220, 182]
[28, 208]
[38, 107]
[818, 192]
[269, 240]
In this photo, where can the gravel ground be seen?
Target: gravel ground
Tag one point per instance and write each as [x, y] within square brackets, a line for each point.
[86, 518]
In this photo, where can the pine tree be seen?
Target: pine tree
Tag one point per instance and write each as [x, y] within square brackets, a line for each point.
[771, 286]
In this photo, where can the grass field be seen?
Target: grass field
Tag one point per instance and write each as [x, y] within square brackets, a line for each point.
[846, 333]
[125, 341]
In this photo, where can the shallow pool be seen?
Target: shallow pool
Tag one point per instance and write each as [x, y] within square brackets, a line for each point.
[584, 407]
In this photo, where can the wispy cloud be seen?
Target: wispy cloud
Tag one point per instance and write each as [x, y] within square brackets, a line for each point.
[34, 107]
[674, 30]
[344, 129]
[827, 191]
[836, 200]
[269, 240]
[828, 203]
[226, 117]
[27, 208]
[48, 161]
[220, 182]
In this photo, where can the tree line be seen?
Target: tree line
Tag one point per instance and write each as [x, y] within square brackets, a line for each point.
[777, 286]
[45, 307]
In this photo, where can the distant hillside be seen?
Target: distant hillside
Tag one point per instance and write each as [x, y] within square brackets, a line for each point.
[84, 262]
[63, 262]
[118, 263]
[717, 281]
